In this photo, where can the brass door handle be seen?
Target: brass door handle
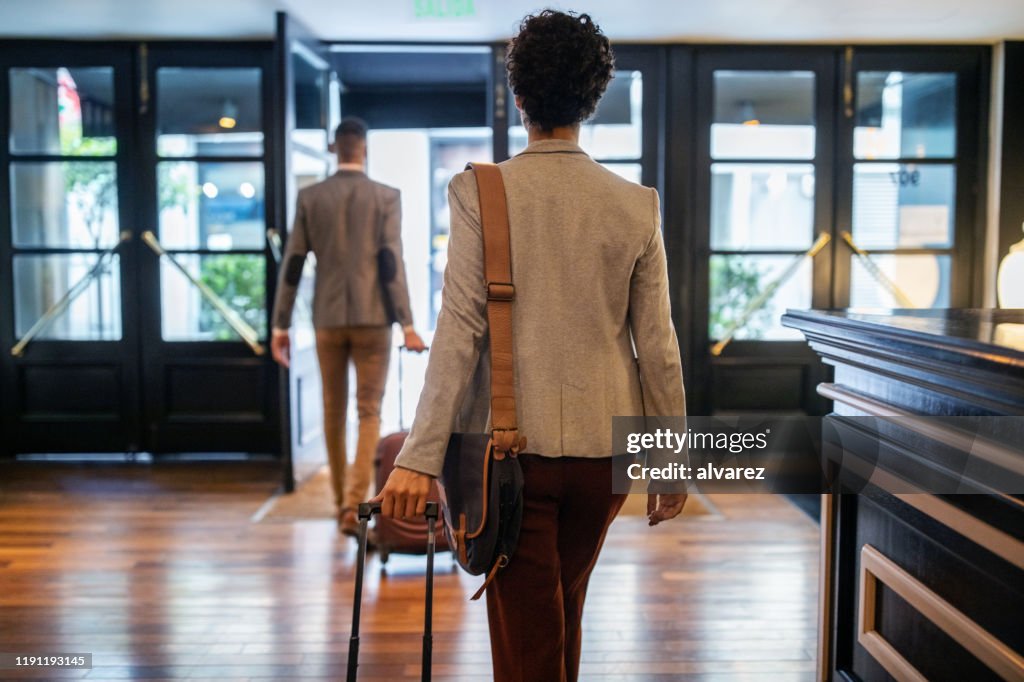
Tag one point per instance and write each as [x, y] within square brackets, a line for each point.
[761, 299]
[73, 292]
[274, 242]
[230, 315]
[875, 271]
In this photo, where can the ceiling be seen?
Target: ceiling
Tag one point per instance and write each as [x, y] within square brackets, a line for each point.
[805, 21]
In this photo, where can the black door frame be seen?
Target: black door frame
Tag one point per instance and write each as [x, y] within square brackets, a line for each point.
[140, 421]
[745, 356]
[673, 140]
[971, 64]
[251, 431]
[687, 181]
[36, 428]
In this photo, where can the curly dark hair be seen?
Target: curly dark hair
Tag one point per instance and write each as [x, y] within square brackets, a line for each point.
[559, 66]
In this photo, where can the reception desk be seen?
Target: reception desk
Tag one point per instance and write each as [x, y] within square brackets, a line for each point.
[922, 586]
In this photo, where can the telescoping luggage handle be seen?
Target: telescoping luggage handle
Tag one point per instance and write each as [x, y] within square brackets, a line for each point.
[366, 510]
[401, 383]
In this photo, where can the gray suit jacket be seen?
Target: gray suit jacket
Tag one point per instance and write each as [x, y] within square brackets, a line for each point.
[345, 220]
[588, 264]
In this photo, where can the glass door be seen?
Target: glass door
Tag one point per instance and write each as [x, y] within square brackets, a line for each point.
[764, 224]
[205, 268]
[825, 178]
[70, 356]
[909, 155]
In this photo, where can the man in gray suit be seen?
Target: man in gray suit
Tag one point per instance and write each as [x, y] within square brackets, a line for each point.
[353, 226]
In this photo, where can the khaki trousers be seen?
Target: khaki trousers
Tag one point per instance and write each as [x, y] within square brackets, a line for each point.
[369, 349]
[535, 604]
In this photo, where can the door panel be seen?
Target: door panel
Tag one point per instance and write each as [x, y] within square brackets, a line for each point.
[307, 91]
[204, 271]
[70, 355]
[107, 150]
[763, 188]
[875, 149]
[907, 165]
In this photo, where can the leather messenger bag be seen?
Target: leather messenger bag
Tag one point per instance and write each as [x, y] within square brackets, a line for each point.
[481, 483]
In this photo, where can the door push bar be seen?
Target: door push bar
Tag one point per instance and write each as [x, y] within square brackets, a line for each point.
[73, 292]
[234, 320]
[274, 242]
[872, 267]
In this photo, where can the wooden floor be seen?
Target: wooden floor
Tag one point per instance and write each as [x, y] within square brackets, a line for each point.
[160, 573]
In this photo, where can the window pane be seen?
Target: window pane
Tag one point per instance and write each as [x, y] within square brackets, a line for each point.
[905, 115]
[736, 281]
[763, 115]
[924, 279]
[516, 136]
[614, 132]
[307, 169]
[310, 91]
[237, 279]
[70, 204]
[630, 171]
[62, 111]
[209, 112]
[907, 206]
[311, 141]
[40, 282]
[762, 206]
[211, 205]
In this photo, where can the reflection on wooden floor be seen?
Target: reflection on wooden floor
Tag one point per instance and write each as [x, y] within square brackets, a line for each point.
[160, 574]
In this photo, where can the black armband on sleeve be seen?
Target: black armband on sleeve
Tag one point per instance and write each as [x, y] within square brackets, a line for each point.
[293, 272]
[387, 265]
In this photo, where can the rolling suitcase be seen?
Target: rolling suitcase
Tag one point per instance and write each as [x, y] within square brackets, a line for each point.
[366, 510]
[401, 536]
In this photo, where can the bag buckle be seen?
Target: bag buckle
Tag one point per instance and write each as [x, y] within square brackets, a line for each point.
[500, 291]
[506, 442]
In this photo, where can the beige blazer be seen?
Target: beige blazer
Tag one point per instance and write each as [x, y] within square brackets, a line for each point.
[345, 221]
[593, 335]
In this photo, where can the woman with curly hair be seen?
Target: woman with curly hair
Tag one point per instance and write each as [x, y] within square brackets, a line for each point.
[588, 263]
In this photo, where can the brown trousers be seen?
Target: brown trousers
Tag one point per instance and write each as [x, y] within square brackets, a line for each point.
[369, 348]
[535, 604]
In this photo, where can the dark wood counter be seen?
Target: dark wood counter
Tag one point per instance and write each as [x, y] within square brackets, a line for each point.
[922, 586]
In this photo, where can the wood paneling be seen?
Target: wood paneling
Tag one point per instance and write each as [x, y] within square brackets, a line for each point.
[875, 567]
[950, 605]
[214, 390]
[55, 391]
[160, 573]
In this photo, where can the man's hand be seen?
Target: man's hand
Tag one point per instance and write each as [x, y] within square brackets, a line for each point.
[413, 341]
[405, 494]
[663, 507]
[281, 347]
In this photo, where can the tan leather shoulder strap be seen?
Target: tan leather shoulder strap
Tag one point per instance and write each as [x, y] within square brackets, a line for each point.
[500, 295]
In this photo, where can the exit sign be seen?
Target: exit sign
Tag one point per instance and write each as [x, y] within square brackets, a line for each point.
[444, 9]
